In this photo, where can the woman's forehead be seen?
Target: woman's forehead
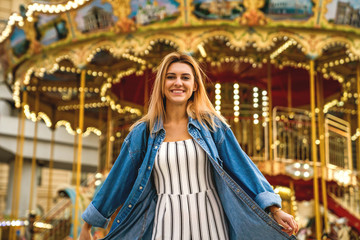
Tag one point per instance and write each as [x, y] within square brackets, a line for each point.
[179, 67]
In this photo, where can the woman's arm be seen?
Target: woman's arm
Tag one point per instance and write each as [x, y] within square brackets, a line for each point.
[287, 221]
[119, 182]
[85, 233]
[245, 173]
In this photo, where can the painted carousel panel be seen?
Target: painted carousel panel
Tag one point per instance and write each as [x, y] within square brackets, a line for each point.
[217, 10]
[147, 12]
[50, 28]
[18, 42]
[294, 10]
[343, 13]
[94, 17]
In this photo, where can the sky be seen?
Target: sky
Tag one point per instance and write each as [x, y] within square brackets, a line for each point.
[171, 6]
[331, 7]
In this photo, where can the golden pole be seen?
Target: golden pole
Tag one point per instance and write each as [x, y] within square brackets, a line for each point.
[51, 165]
[292, 188]
[289, 97]
[100, 123]
[20, 116]
[358, 113]
[73, 177]
[33, 162]
[269, 79]
[73, 180]
[320, 101]
[108, 139]
[146, 92]
[78, 169]
[289, 93]
[18, 167]
[314, 150]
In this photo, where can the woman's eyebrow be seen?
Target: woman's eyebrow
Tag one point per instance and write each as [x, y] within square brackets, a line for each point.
[175, 73]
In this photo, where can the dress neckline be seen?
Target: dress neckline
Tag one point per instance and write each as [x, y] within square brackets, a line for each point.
[179, 141]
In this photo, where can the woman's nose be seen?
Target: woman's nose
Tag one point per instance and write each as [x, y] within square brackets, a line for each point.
[178, 81]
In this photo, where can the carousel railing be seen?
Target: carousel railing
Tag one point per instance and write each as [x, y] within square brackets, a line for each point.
[338, 142]
[56, 223]
[347, 197]
[292, 134]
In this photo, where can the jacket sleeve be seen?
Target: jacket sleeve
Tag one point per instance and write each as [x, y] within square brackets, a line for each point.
[114, 190]
[242, 169]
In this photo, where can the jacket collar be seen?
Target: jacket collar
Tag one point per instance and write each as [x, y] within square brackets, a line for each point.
[160, 126]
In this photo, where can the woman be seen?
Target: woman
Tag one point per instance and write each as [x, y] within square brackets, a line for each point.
[181, 173]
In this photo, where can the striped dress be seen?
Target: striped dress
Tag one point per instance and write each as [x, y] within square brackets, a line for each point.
[188, 206]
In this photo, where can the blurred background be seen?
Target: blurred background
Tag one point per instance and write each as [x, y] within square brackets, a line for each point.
[74, 75]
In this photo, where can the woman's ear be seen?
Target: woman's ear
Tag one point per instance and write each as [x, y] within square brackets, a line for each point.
[195, 86]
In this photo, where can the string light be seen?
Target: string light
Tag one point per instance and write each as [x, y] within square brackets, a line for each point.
[13, 19]
[356, 135]
[218, 98]
[265, 105]
[45, 118]
[71, 131]
[86, 106]
[282, 48]
[236, 102]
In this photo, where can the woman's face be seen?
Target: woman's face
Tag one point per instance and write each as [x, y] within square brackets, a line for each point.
[179, 83]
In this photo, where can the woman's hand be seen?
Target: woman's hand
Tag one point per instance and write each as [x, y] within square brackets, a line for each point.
[85, 233]
[287, 221]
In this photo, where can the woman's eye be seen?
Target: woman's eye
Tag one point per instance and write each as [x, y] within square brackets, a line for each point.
[170, 77]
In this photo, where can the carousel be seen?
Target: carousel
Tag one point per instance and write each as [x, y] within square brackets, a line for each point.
[285, 74]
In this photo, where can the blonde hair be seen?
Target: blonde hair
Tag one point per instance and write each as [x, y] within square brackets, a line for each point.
[198, 107]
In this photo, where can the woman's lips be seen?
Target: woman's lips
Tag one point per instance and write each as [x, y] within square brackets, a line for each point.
[177, 91]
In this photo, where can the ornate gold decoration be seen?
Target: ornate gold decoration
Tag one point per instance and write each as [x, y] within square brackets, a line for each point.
[124, 24]
[252, 16]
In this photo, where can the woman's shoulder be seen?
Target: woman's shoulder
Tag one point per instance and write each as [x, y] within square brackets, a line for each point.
[138, 131]
[220, 124]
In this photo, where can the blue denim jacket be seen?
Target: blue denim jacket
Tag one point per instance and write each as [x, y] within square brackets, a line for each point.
[243, 190]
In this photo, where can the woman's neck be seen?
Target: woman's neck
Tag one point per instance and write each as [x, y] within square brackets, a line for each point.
[175, 113]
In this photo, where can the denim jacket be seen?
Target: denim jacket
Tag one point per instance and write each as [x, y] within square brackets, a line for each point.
[243, 190]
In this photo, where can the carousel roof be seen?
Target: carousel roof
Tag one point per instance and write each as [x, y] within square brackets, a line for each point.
[117, 44]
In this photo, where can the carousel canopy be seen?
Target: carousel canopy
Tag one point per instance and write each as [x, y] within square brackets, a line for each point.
[117, 45]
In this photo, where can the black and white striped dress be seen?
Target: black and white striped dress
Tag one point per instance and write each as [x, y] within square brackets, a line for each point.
[188, 206]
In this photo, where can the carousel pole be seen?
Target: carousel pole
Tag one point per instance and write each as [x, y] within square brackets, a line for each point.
[73, 172]
[100, 123]
[18, 168]
[289, 93]
[73, 177]
[292, 188]
[78, 169]
[33, 161]
[358, 113]
[269, 79]
[21, 158]
[51, 166]
[289, 100]
[108, 139]
[320, 101]
[146, 92]
[314, 149]
[15, 173]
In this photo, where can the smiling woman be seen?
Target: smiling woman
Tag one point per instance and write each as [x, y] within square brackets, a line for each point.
[181, 173]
